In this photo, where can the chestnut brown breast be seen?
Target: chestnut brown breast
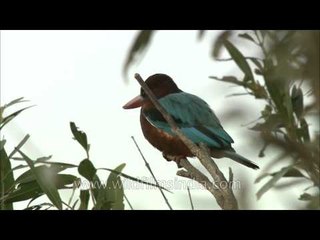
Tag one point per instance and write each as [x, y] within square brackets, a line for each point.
[163, 141]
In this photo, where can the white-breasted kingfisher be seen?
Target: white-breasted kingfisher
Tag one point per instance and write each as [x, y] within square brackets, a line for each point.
[192, 115]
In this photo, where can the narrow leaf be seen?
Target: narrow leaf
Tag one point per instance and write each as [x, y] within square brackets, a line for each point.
[217, 45]
[87, 170]
[257, 63]
[297, 101]
[22, 142]
[29, 175]
[200, 34]
[273, 122]
[7, 119]
[239, 59]
[2, 143]
[112, 196]
[6, 179]
[246, 36]
[115, 192]
[305, 197]
[141, 42]
[43, 159]
[18, 100]
[272, 181]
[26, 191]
[84, 199]
[46, 182]
[80, 136]
[229, 79]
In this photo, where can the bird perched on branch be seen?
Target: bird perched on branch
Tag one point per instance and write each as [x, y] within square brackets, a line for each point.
[192, 115]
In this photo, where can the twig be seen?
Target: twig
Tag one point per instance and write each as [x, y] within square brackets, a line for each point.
[231, 59]
[260, 43]
[191, 203]
[149, 168]
[125, 197]
[74, 187]
[225, 197]
[230, 177]
[199, 177]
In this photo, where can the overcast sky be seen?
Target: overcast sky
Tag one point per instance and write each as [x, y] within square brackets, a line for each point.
[77, 76]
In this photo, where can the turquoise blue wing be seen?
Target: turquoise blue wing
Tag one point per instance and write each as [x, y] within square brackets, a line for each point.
[194, 117]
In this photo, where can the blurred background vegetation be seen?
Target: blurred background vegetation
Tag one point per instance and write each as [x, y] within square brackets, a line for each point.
[283, 74]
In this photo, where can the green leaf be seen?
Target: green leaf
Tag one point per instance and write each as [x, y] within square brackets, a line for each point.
[80, 136]
[43, 159]
[63, 180]
[229, 79]
[6, 178]
[112, 196]
[246, 36]
[200, 34]
[84, 199]
[58, 164]
[239, 59]
[29, 175]
[262, 177]
[274, 121]
[288, 37]
[31, 189]
[266, 112]
[39, 206]
[314, 201]
[7, 119]
[87, 170]
[115, 192]
[217, 45]
[45, 180]
[272, 181]
[26, 191]
[257, 63]
[305, 197]
[18, 100]
[133, 178]
[297, 101]
[2, 143]
[140, 44]
[22, 142]
[292, 172]
[304, 130]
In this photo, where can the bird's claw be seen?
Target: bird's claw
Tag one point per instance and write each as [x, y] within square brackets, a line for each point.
[170, 158]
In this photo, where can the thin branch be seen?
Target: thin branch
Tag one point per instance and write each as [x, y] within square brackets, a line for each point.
[191, 203]
[74, 187]
[261, 43]
[228, 200]
[125, 197]
[231, 59]
[230, 177]
[149, 168]
[199, 177]
[23, 141]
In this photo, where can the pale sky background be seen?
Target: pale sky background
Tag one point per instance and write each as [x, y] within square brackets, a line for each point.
[77, 76]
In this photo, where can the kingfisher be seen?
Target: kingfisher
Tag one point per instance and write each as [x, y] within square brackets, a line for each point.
[192, 115]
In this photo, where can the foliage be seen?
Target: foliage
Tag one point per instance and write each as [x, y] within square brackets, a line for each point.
[289, 62]
[45, 177]
[290, 59]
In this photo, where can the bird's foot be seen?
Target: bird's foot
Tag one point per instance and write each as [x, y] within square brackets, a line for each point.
[176, 159]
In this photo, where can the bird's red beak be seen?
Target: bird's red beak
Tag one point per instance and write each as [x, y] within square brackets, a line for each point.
[134, 103]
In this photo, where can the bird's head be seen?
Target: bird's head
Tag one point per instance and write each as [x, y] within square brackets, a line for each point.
[160, 84]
